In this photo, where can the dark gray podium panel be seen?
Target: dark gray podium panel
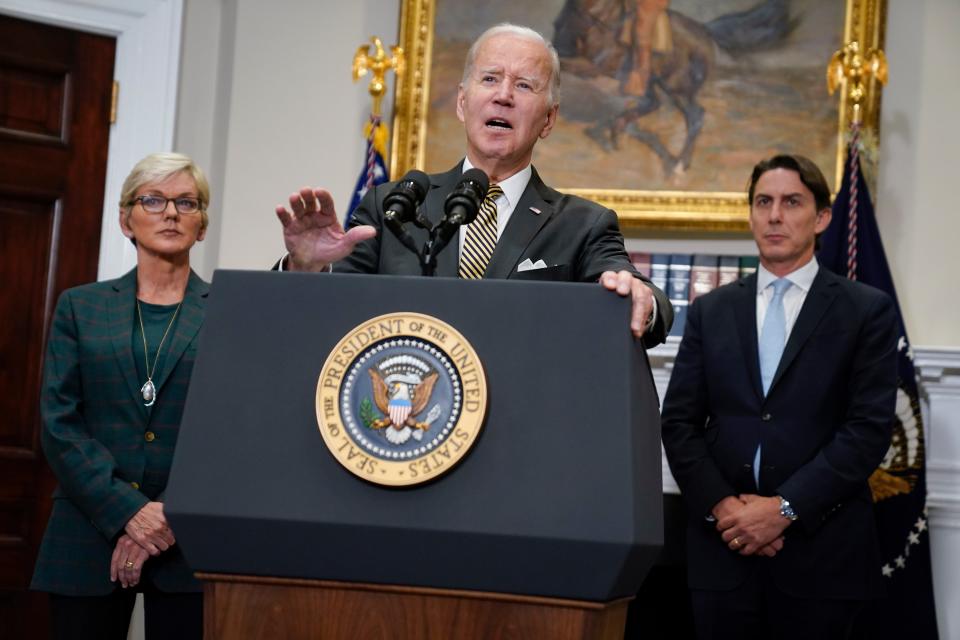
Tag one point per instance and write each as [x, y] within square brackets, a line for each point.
[561, 495]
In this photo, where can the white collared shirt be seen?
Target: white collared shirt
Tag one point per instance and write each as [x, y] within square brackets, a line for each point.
[801, 280]
[513, 187]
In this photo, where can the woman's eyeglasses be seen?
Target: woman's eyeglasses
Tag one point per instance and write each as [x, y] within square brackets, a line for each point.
[158, 204]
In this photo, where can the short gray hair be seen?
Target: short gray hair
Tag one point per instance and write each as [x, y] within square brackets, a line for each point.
[553, 97]
[157, 167]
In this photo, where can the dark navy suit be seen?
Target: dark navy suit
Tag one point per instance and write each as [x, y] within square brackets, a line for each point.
[824, 426]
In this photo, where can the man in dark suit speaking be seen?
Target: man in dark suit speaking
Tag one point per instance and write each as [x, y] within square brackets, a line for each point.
[779, 407]
[508, 100]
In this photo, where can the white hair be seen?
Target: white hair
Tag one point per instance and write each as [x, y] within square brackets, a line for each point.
[553, 96]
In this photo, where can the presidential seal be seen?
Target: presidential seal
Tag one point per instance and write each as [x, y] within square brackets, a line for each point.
[401, 399]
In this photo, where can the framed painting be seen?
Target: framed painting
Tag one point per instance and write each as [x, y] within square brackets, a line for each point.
[666, 105]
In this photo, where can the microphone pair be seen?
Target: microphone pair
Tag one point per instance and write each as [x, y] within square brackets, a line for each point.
[461, 207]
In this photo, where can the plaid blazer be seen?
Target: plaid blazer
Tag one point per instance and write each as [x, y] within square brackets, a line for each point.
[97, 434]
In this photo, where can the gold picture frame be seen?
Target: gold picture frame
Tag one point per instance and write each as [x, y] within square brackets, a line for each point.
[864, 21]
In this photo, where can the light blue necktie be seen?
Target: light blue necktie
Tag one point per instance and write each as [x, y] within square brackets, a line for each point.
[773, 338]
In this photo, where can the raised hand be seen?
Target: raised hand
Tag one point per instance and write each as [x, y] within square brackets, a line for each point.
[312, 234]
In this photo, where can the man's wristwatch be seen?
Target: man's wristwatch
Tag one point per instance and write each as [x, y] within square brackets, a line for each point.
[786, 510]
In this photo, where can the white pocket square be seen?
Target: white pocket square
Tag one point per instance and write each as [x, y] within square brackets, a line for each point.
[527, 265]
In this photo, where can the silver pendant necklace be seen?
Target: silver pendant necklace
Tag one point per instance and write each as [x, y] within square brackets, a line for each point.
[148, 390]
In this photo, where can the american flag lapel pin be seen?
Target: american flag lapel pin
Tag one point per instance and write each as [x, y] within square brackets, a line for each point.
[535, 210]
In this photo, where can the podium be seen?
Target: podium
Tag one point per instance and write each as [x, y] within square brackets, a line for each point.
[545, 529]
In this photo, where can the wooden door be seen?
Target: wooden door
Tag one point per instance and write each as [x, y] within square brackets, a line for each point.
[55, 95]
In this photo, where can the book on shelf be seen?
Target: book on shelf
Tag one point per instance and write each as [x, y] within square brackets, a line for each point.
[641, 262]
[659, 266]
[678, 289]
[728, 270]
[704, 274]
[684, 277]
[678, 276]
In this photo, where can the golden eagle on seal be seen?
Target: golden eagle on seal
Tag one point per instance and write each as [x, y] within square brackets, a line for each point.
[398, 407]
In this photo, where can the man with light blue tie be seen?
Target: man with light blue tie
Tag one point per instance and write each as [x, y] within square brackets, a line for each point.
[780, 406]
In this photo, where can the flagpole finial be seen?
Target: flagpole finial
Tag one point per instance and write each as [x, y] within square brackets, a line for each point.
[853, 69]
[377, 64]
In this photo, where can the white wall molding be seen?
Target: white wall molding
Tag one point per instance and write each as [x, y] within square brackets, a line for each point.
[661, 363]
[939, 372]
[938, 369]
[147, 67]
[943, 495]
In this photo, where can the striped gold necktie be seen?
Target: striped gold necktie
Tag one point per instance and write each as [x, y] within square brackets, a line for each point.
[481, 238]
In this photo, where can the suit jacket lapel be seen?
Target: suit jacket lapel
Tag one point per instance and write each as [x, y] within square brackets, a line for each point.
[746, 320]
[523, 226]
[120, 308]
[188, 324]
[819, 298]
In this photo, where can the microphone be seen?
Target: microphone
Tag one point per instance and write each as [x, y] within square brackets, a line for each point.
[463, 203]
[461, 206]
[400, 205]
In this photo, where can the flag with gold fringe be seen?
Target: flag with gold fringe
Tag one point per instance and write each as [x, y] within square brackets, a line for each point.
[374, 168]
[851, 246]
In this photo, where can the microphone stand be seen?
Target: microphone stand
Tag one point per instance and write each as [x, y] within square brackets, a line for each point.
[405, 238]
[440, 236]
[427, 256]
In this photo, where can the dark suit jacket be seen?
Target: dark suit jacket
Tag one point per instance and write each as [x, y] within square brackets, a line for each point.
[825, 425]
[94, 426]
[576, 238]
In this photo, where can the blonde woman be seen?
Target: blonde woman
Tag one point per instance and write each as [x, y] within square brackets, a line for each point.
[118, 363]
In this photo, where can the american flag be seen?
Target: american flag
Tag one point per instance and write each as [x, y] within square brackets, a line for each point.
[851, 246]
[374, 169]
